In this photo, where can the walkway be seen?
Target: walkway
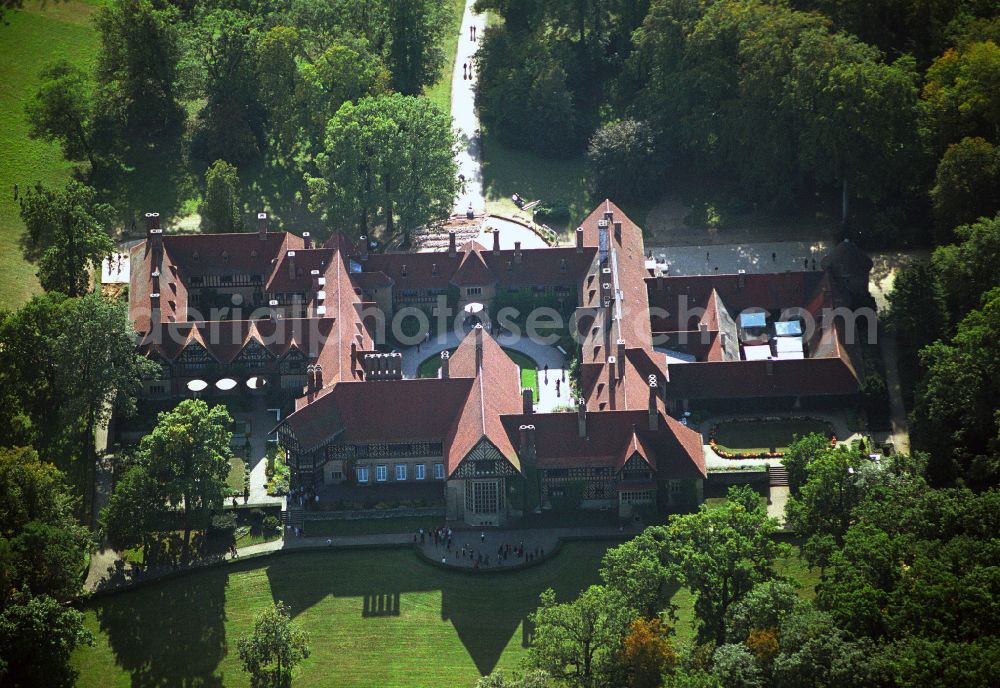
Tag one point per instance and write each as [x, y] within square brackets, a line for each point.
[484, 546]
[464, 117]
[110, 573]
[548, 397]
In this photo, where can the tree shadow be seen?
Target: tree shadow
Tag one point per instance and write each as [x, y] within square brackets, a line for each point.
[151, 176]
[170, 633]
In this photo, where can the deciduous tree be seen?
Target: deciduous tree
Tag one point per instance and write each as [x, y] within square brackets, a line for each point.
[69, 230]
[273, 649]
[221, 209]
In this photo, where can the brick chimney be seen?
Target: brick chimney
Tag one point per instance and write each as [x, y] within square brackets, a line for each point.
[310, 380]
[527, 442]
[496, 240]
[621, 358]
[579, 239]
[608, 215]
[315, 279]
[445, 372]
[452, 244]
[527, 401]
[769, 367]
[318, 372]
[262, 226]
[307, 240]
[291, 264]
[581, 417]
[654, 414]
[618, 231]
[612, 370]
[363, 241]
[478, 330]
[154, 235]
[517, 252]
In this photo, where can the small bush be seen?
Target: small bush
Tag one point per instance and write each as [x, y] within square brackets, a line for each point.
[271, 524]
[552, 212]
[224, 523]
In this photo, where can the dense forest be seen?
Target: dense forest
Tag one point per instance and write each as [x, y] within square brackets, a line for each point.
[886, 108]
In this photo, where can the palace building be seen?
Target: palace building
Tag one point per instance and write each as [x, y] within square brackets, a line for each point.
[270, 312]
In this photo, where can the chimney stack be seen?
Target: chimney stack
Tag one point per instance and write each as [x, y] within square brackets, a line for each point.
[445, 372]
[527, 401]
[496, 240]
[769, 367]
[154, 235]
[654, 414]
[262, 226]
[741, 279]
[517, 252]
[363, 240]
[579, 239]
[291, 264]
[310, 379]
[618, 231]
[479, 346]
[621, 358]
[527, 443]
[452, 244]
[318, 372]
[315, 279]
[581, 417]
[612, 369]
[307, 240]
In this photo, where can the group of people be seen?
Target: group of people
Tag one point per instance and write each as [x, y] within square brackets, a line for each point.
[444, 537]
[304, 496]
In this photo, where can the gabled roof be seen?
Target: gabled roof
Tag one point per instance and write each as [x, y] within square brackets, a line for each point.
[496, 391]
[370, 411]
[472, 270]
[677, 449]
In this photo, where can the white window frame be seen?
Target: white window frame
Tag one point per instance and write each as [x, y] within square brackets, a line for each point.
[381, 473]
[400, 471]
[419, 471]
[362, 474]
[439, 471]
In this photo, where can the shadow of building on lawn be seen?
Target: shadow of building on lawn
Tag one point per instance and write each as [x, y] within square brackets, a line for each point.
[485, 609]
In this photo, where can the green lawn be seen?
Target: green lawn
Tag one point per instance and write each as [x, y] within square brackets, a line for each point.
[506, 171]
[430, 366]
[237, 467]
[440, 93]
[31, 38]
[763, 436]
[377, 617]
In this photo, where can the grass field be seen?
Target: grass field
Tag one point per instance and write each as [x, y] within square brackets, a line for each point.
[430, 366]
[376, 617]
[237, 467]
[763, 436]
[440, 93]
[30, 39]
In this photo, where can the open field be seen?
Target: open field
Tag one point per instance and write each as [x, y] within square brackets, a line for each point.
[378, 617]
[31, 38]
[764, 436]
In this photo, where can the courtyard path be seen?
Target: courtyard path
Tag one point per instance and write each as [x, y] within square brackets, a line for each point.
[463, 113]
[108, 574]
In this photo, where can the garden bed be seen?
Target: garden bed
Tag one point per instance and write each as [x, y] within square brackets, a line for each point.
[757, 438]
